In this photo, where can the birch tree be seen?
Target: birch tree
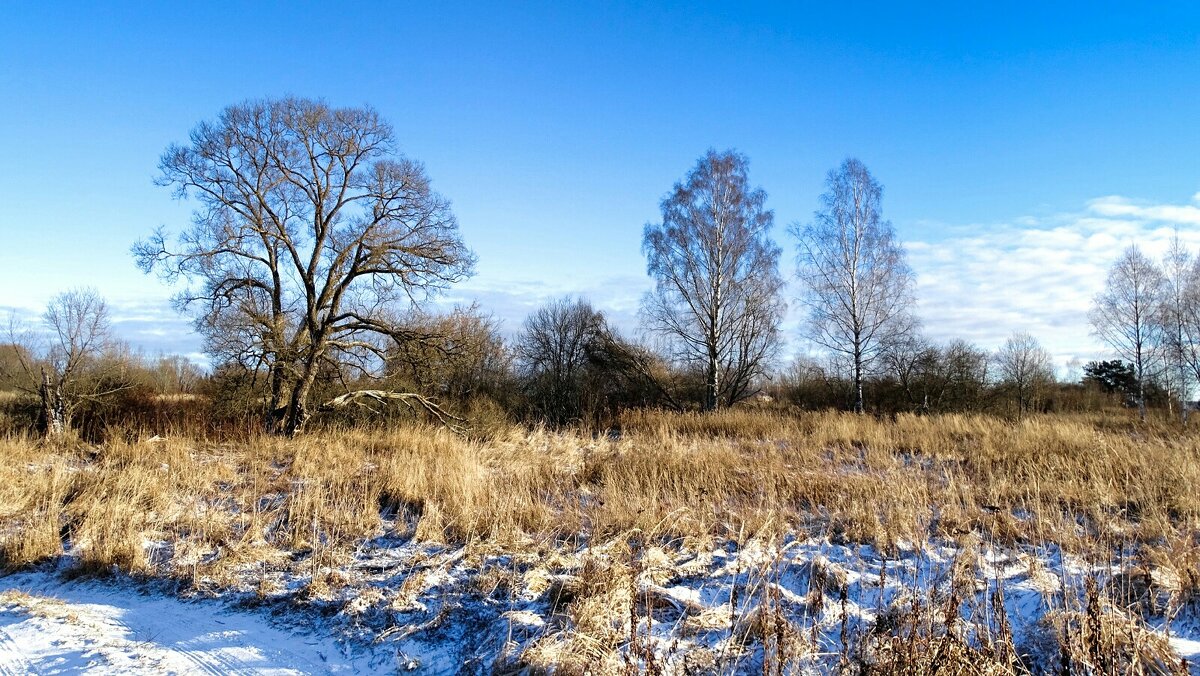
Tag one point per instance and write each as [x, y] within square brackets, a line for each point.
[717, 294]
[855, 278]
[312, 234]
[1173, 315]
[1126, 315]
[1189, 321]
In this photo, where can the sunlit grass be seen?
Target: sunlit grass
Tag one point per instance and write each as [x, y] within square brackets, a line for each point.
[1060, 479]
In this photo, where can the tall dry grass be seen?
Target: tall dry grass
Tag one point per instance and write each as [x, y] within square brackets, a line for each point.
[885, 482]
[202, 510]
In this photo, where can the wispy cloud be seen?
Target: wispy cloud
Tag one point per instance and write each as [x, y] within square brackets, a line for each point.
[1119, 207]
[150, 326]
[154, 327]
[1037, 274]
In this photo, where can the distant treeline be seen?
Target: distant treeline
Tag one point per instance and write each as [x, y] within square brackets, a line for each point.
[567, 366]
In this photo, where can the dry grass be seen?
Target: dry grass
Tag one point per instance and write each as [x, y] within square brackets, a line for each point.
[1061, 480]
[204, 510]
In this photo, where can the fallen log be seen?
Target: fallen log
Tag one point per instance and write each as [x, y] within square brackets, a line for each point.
[416, 402]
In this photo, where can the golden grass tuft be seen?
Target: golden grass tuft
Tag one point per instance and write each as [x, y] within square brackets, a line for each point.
[1108, 641]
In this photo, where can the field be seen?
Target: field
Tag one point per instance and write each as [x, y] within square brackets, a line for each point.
[737, 542]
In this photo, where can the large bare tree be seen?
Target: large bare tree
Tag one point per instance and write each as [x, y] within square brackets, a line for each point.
[716, 270]
[856, 281]
[311, 236]
[1126, 315]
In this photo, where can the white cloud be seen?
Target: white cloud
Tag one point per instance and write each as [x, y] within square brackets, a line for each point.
[1116, 206]
[1037, 274]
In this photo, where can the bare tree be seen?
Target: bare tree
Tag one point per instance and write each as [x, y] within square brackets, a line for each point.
[965, 368]
[1173, 314]
[552, 353]
[626, 374]
[175, 374]
[811, 382]
[14, 355]
[1025, 366]
[312, 233]
[856, 281]
[63, 365]
[1126, 315]
[465, 356]
[913, 360]
[1189, 321]
[938, 378]
[716, 270]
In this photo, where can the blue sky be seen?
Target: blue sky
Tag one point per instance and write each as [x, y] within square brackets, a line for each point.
[1021, 146]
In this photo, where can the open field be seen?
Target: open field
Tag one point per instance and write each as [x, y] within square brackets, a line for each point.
[726, 543]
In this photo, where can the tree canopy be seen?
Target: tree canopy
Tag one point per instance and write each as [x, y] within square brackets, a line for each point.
[312, 235]
[717, 294]
[856, 280]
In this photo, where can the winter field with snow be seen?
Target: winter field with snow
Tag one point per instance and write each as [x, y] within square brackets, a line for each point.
[729, 543]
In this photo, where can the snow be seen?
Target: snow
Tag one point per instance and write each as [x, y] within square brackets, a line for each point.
[426, 608]
[52, 626]
[1189, 649]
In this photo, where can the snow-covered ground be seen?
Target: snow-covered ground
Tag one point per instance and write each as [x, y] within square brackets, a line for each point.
[52, 626]
[434, 609]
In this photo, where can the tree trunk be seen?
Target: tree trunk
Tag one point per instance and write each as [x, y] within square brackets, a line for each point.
[297, 417]
[1183, 401]
[297, 411]
[54, 410]
[859, 407]
[277, 407]
[1141, 396]
[713, 385]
